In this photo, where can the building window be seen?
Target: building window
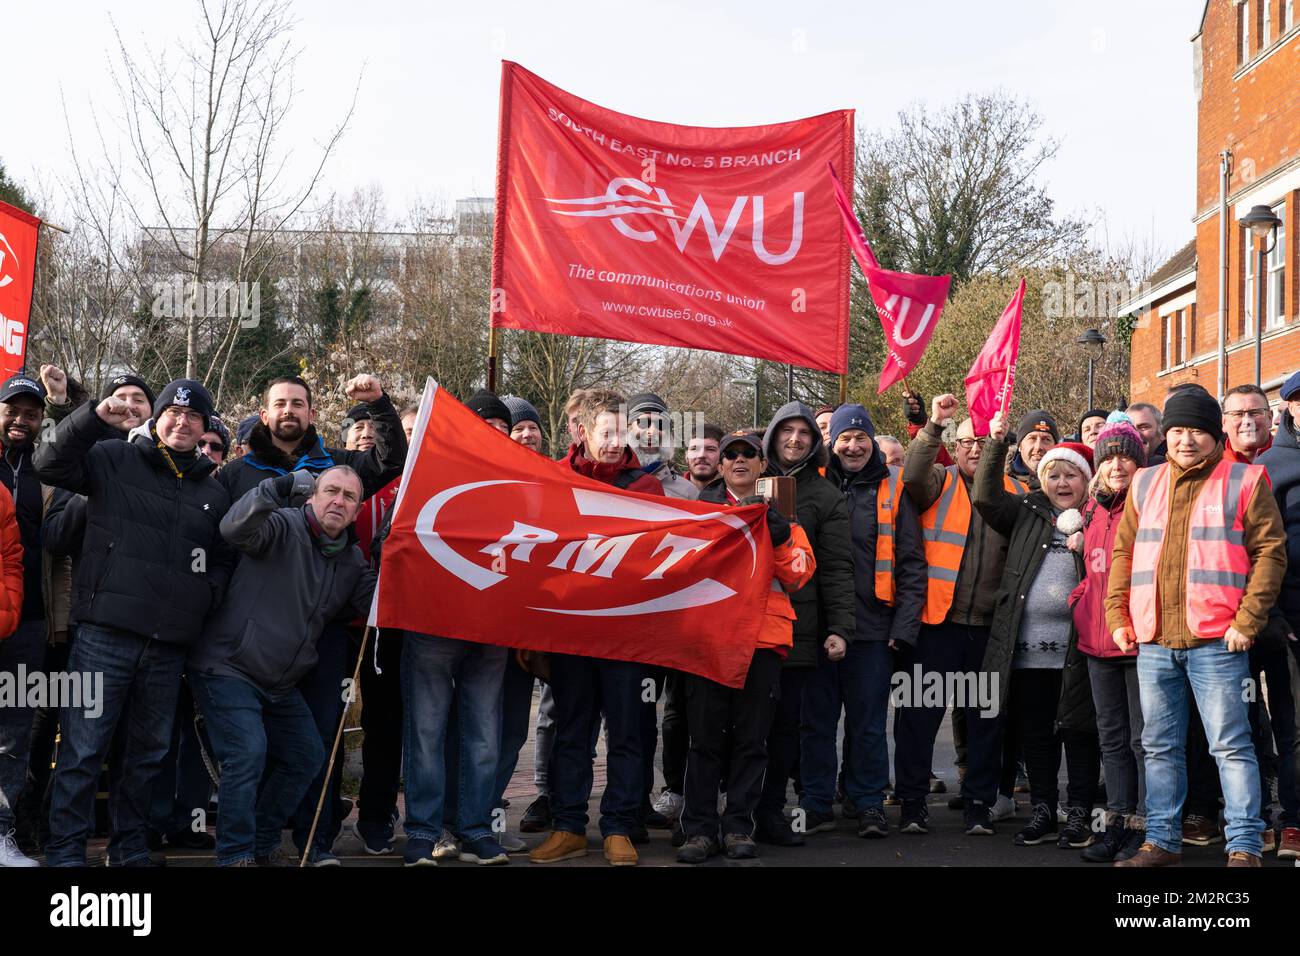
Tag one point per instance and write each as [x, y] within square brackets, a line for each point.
[1275, 276]
[1248, 258]
[1288, 15]
[1243, 32]
[1265, 24]
[1165, 325]
[1191, 331]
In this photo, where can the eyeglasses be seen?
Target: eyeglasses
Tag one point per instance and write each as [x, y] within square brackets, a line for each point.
[1252, 412]
[731, 454]
[968, 443]
[209, 445]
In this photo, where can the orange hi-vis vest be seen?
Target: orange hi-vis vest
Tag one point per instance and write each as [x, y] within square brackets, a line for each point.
[945, 527]
[1217, 559]
[885, 498]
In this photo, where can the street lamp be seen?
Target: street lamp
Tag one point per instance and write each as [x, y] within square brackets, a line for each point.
[1261, 221]
[1093, 343]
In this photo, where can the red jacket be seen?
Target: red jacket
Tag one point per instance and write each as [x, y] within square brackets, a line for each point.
[943, 458]
[1088, 599]
[11, 567]
[609, 473]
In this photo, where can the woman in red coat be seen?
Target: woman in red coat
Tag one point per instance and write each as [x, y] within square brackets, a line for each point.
[1118, 454]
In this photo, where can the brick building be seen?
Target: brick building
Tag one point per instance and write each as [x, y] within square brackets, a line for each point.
[1246, 69]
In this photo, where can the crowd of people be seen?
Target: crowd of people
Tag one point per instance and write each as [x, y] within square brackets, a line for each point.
[1126, 597]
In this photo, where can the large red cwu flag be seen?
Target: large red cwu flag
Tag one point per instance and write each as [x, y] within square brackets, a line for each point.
[494, 543]
[908, 304]
[713, 238]
[18, 233]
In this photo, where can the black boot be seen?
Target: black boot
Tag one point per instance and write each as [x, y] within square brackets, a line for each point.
[1107, 848]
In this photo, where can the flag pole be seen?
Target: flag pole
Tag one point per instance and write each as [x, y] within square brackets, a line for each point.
[492, 358]
[66, 232]
[844, 389]
[338, 737]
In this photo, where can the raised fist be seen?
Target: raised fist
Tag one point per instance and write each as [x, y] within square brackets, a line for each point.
[364, 388]
[943, 408]
[113, 411]
[55, 381]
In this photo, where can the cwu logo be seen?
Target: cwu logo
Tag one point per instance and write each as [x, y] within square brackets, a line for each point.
[617, 205]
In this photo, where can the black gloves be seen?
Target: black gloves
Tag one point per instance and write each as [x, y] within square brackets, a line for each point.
[294, 488]
[914, 408]
[778, 525]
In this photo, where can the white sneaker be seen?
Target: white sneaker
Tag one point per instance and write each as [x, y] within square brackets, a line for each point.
[670, 804]
[447, 847]
[1004, 808]
[10, 855]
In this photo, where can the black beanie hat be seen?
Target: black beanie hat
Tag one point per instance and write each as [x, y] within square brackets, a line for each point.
[486, 405]
[117, 381]
[1038, 421]
[1192, 408]
[645, 402]
[358, 413]
[1091, 413]
[187, 393]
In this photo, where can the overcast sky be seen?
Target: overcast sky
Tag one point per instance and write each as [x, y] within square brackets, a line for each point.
[1112, 79]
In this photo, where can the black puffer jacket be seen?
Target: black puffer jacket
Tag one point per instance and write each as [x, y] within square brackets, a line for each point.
[824, 605]
[152, 561]
[377, 467]
[1027, 522]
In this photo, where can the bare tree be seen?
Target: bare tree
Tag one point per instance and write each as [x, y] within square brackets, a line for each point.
[204, 140]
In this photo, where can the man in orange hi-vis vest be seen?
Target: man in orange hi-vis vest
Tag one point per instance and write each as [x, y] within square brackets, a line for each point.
[965, 557]
[1198, 561]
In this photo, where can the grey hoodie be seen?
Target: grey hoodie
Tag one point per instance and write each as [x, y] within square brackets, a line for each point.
[825, 605]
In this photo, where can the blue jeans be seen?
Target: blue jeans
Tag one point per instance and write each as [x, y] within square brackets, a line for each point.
[583, 686]
[246, 727]
[1217, 679]
[434, 670]
[144, 676]
[25, 647]
[858, 684]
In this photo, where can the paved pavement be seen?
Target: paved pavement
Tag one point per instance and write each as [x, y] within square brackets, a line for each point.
[944, 845]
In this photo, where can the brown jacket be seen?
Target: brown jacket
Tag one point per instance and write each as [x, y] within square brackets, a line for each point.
[1265, 541]
[980, 573]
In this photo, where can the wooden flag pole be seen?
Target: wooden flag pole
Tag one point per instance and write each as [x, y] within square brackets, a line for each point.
[492, 358]
[338, 737]
[66, 232]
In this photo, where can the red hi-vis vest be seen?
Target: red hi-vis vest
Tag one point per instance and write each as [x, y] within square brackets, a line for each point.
[1217, 559]
[945, 526]
[885, 498]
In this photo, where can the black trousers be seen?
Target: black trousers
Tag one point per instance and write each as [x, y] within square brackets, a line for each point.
[669, 687]
[381, 720]
[1203, 788]
[729, 736]
[783, 741]
[1035, 694]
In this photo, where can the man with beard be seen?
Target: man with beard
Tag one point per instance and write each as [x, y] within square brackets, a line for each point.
[650, 436]
[285, 441]
[21, 402]
[702, 457]
[824, 607]
[153, 567]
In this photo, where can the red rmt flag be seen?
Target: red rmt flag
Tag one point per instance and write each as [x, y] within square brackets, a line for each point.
[18, 232]
[617, 227]
[494, 543]
[909, 305]
[993, 375]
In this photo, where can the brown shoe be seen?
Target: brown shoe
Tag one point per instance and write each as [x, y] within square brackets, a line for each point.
[620, 851]
[1151, 855]
[560, 845]
[1269, 840]
[1289, 848]
[1201, 831]
[1242, 858]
